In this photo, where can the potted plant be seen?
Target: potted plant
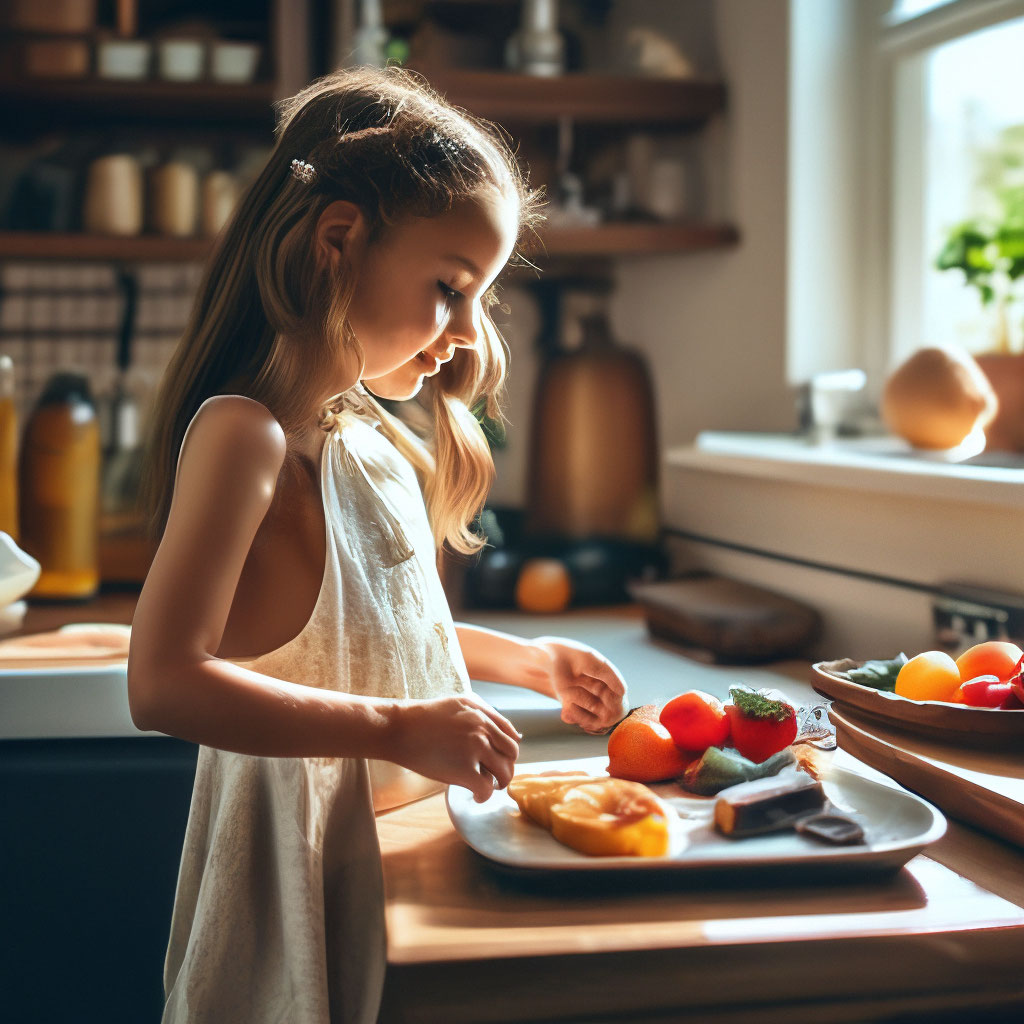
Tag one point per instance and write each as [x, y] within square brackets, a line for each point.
[989, 251]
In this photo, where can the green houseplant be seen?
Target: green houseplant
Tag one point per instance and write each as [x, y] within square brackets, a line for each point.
[989, 252]
[991, 257]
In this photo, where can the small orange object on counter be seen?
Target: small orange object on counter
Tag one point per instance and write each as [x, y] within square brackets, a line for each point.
[543, 586]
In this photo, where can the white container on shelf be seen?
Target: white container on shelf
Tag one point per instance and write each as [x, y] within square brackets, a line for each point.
[180, 60]
[234, 62]
[123, 58]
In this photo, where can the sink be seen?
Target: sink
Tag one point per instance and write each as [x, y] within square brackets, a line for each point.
[49, 703]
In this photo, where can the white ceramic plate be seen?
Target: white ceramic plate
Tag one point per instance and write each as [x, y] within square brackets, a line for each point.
[897, 824]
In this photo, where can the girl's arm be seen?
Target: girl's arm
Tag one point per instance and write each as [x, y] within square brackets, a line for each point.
[589, 687]
[226, 480]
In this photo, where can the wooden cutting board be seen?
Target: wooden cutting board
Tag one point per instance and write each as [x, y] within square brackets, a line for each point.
[983, 788]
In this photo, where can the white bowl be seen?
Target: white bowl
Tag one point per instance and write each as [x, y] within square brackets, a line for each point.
[123, 58]
[18, 571]
[180, 60]
[12, 616]
[234, 62]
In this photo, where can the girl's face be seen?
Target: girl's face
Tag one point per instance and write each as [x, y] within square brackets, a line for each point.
[420, 289]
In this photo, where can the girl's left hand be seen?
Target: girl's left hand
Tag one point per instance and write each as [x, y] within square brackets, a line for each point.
[589, 687]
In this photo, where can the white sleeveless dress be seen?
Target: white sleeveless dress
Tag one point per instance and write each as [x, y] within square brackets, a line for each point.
[279, 911]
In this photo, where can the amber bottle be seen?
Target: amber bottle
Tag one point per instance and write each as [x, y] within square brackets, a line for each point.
[59, 477]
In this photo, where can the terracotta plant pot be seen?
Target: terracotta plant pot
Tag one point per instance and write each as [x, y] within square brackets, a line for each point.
[1006, 374]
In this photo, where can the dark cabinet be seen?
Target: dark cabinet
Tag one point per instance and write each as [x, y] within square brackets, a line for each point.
[92, 832]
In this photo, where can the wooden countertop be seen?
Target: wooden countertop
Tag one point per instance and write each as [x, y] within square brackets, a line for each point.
[108, 606]
[468, 942]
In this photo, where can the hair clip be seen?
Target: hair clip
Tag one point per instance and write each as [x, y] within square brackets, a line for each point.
[451, 147]
[301, 171]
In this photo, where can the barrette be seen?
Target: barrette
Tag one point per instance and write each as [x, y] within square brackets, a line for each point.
[301, 171]
[447, 144]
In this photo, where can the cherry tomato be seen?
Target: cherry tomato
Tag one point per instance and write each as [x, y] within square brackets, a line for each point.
[695, 720]
[986, 692]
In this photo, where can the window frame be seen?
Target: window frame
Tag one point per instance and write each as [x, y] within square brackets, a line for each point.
[898, 51]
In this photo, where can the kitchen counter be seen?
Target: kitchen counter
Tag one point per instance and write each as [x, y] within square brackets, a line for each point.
[471, 943]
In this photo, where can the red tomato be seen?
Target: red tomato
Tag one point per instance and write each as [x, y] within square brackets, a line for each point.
[1017, 687]
[695, 720]
[986, 692]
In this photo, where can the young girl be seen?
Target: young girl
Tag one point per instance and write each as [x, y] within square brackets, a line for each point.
[293, 623]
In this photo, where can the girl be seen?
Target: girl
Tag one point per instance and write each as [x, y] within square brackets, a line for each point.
[293, 623]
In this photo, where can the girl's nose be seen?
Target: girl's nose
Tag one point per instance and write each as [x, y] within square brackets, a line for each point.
[464, 330]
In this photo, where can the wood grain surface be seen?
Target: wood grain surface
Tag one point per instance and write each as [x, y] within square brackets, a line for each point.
[468, 942]
[984, 788]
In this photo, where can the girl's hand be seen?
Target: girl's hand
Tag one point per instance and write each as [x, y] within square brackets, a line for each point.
[589, 687]
[457, 740]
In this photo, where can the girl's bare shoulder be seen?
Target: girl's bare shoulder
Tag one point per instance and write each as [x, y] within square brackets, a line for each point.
[233, 451]
[233, 426]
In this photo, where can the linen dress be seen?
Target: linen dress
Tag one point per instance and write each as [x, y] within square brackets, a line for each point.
[279, 910]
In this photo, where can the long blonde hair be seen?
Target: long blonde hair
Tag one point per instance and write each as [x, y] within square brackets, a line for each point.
[269, 319]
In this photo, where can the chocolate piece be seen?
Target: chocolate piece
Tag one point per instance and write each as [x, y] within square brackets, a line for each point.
[831, 827]
[766, 805]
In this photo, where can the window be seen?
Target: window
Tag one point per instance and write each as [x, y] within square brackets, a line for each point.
[959, 146]
[906, 119]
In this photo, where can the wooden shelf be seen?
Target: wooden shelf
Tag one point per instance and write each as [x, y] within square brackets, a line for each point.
[625, 239]
[609, 99]
[32, 245]
[26, 103]
[497, 95]
[604, 240]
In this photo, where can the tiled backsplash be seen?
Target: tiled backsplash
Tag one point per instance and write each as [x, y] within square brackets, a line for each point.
[57, 316]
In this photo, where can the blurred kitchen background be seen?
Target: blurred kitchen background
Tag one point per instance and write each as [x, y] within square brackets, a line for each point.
[767, 368]
[758, 211]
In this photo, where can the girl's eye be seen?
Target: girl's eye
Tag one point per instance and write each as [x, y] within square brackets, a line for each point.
[450, 294]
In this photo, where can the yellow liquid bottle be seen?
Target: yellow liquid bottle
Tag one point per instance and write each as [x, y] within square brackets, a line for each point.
[59, 484]
[8, 450]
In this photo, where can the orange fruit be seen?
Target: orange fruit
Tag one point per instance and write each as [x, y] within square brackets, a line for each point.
[991, 658]
[932, 675]
[641, 749]
[543, 586]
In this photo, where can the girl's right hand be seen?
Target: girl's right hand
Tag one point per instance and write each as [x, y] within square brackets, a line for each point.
[458, 740]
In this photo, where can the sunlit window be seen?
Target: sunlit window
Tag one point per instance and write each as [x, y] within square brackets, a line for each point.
[904, 10]
[972, 181]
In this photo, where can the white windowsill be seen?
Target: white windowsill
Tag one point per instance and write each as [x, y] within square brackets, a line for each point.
[866, 464]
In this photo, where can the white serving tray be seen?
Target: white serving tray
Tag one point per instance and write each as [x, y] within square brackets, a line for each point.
[897, 824]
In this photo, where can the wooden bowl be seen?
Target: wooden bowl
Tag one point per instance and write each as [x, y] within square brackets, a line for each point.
[955, 723]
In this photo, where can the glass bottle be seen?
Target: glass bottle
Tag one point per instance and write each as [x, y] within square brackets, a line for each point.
[8, 450]
[59, 484]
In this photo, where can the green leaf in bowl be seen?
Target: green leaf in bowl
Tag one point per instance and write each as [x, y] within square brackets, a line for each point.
[880, 674]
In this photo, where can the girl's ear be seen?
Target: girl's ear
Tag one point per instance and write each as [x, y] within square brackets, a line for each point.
[340, 231]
